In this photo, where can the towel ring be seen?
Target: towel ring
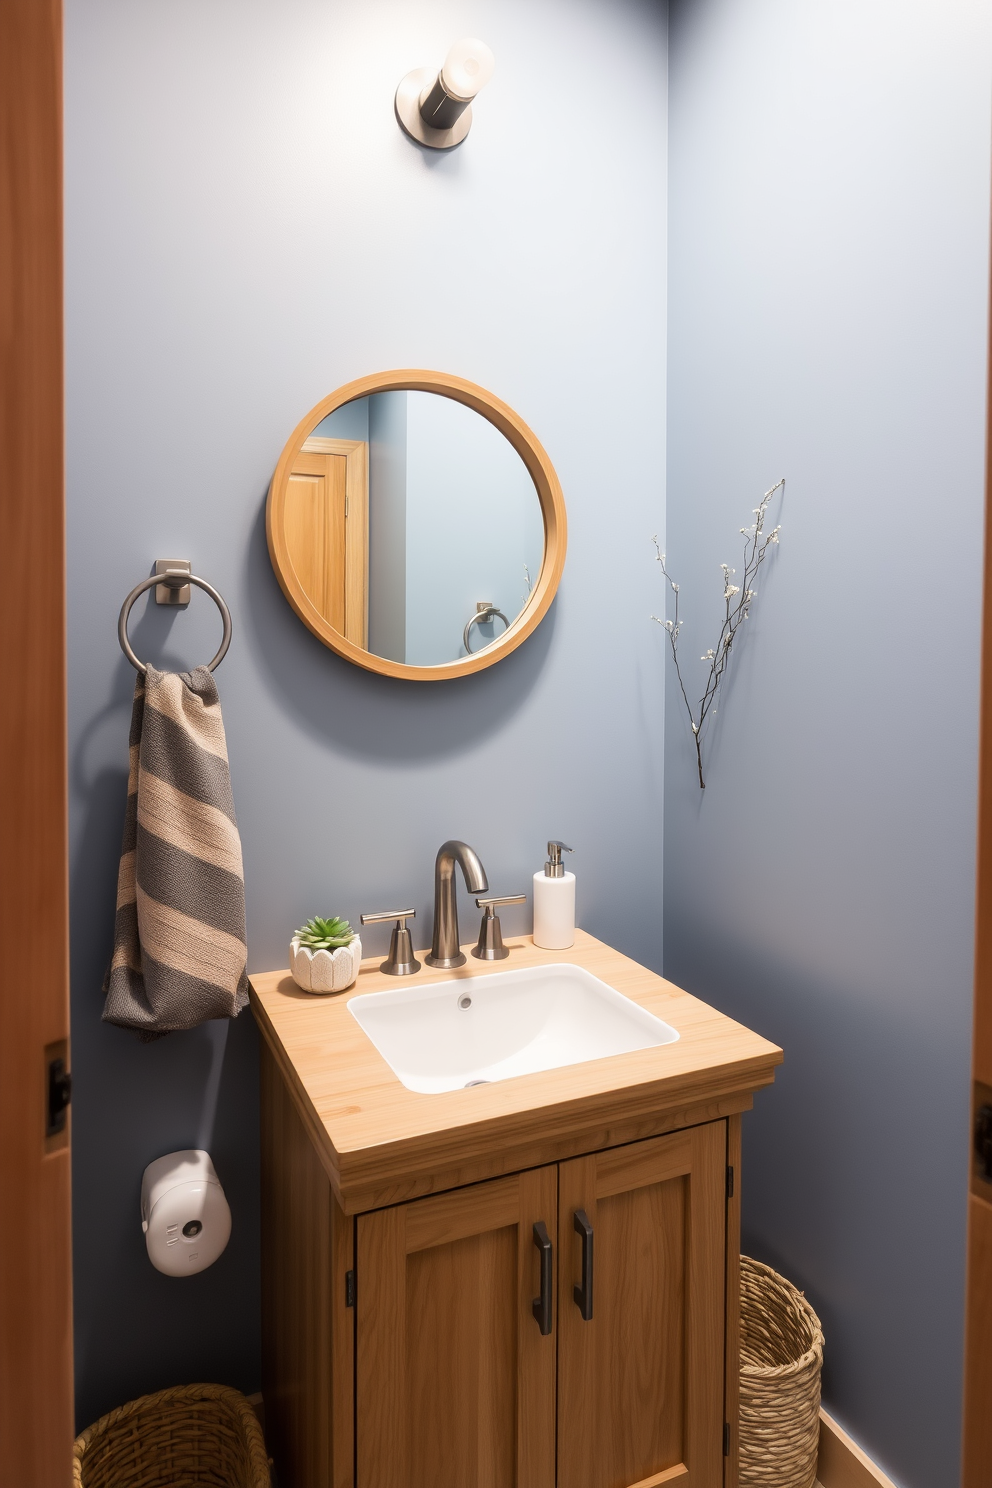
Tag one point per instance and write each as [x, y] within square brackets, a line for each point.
[484, 612]
[173, 583]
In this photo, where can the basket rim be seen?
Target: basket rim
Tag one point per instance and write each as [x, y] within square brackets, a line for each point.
[784, 1371]
[173, 1394]
[813, 1354]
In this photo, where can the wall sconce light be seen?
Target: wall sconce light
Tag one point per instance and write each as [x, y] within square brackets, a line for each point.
[432, 107]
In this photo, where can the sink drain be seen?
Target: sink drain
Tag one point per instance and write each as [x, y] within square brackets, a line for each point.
[469, 1083]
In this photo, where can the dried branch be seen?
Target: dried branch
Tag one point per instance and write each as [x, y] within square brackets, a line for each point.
[737, 600]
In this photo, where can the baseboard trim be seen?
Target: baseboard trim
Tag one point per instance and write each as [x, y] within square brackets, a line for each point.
[842, 1464]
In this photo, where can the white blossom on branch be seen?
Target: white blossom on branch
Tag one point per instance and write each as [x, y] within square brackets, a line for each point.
[737, 599]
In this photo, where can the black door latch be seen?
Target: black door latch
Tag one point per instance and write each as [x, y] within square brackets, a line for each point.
[59, 1096]
[983, 1140]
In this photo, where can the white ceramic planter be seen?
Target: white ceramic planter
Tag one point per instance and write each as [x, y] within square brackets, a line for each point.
[324, 971]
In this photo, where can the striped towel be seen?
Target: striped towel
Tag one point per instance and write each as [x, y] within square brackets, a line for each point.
[179, 944]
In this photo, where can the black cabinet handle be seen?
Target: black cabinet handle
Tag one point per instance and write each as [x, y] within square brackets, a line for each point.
[542, 1304]
[583, 1293]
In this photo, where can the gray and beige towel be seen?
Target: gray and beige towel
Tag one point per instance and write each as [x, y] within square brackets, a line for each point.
[179, 944]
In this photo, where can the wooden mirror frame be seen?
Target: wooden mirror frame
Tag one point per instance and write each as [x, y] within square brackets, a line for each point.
[542, 472]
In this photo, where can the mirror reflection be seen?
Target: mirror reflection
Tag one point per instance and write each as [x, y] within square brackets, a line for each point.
[414, 527]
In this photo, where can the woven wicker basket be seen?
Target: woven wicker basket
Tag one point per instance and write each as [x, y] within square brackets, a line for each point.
[781, 1358]
[203, 1435]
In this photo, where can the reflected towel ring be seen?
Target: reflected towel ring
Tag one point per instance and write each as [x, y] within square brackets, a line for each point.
[173, 580]
[484, 612]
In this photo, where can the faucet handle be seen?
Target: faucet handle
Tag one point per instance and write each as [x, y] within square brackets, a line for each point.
[401, 961]
[490, 946]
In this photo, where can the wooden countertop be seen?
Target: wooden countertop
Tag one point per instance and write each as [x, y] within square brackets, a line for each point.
[382, 1144]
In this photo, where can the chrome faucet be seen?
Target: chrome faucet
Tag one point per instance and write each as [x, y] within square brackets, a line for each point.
[444, 946]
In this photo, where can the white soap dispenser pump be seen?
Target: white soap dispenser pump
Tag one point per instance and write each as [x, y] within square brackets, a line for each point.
[554, 902]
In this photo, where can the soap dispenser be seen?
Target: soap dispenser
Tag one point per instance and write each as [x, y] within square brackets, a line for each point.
[554, 902]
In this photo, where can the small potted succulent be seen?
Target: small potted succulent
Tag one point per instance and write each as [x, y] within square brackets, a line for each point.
[324, 955]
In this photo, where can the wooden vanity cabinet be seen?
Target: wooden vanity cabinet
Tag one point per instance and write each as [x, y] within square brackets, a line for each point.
[414, 1346]
[455, 1380]
[641, 1382]
[529, 1284]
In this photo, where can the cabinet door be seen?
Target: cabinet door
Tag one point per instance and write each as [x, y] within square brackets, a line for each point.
[640, 1380]
[455, 1379]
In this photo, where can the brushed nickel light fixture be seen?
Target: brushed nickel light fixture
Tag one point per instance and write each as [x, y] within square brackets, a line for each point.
[433, 107]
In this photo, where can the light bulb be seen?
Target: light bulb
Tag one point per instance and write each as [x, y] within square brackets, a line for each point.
[433, 107]
[467, 68]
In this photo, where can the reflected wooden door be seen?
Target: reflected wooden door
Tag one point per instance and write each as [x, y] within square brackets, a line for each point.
[640, 1313]
[327, 531]
[455, 1379]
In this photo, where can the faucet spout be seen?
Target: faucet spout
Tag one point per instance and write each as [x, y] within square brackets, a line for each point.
[444, 945]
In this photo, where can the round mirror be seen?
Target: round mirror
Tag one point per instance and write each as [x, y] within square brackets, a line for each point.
[416, 525]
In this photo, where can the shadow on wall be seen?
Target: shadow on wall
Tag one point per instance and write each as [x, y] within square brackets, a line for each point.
[370, 716]
[822, 1223]
[148, 1329]
[134, 1102]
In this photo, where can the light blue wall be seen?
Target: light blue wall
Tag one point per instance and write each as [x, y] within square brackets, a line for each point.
[473, 523]
[387, 525]
[248, 229]
[350, 421]
[828, 279]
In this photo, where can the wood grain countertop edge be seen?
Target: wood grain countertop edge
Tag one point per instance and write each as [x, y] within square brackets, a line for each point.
[362, 1171]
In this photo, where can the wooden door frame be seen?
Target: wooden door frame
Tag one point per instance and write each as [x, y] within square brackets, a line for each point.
[356, 527]
[36, 1417]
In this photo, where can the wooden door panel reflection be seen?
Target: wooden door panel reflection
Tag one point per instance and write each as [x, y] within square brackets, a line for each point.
[315, 535]
[326, 531]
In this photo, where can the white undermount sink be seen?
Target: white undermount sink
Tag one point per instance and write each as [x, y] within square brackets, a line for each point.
[447, 1035]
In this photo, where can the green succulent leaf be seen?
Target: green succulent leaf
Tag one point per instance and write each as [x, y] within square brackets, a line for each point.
[319, 934]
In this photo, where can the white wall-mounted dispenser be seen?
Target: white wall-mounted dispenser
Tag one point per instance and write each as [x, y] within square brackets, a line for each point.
[184, 1215]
